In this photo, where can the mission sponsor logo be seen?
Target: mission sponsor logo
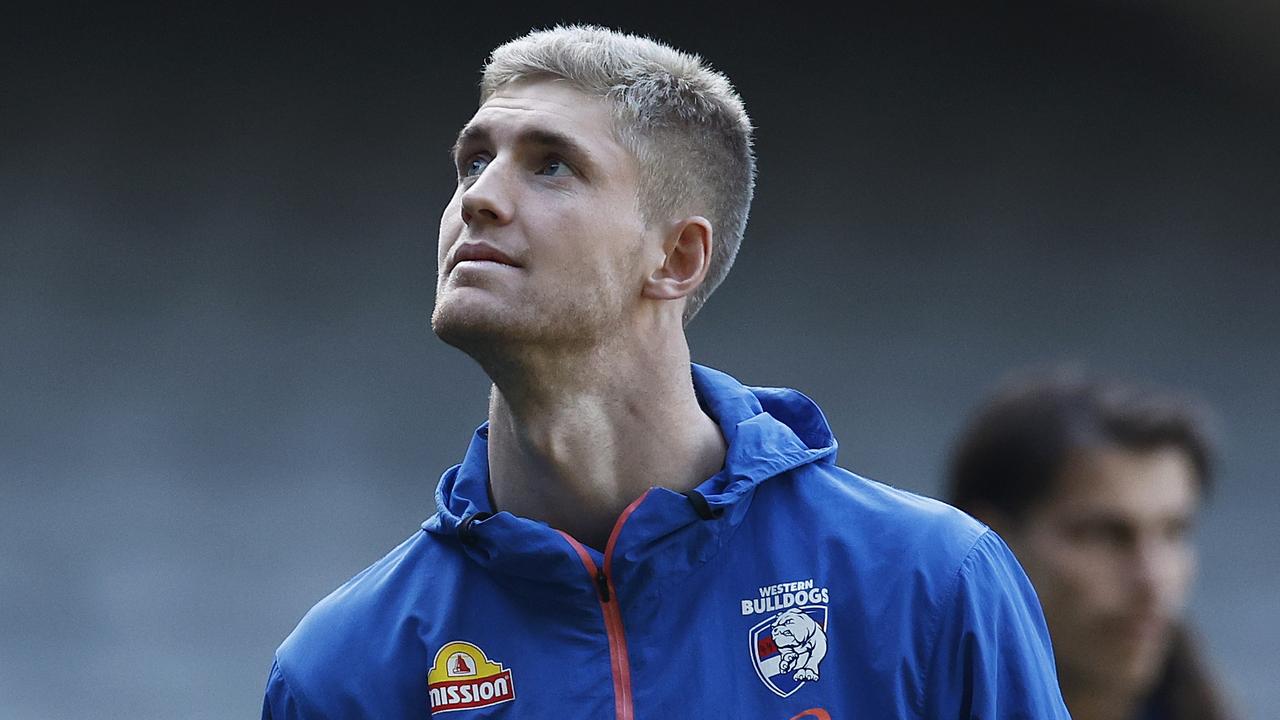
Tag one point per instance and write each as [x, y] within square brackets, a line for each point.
[462, 677]
[788, 646]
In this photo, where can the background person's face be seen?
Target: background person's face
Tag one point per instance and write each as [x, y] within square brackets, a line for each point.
[1110, 556]
[543, 179]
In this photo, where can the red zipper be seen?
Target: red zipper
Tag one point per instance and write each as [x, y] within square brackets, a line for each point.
[608, 597]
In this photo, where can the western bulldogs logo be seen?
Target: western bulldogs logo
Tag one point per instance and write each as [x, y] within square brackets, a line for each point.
[802, 642]
[788, 647]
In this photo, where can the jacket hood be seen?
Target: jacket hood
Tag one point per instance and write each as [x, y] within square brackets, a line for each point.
[768, 431]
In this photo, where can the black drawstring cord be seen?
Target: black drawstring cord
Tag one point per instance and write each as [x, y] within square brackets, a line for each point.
[700, 505]
[465, 534]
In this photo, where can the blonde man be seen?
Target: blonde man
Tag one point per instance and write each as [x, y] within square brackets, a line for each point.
[631, 535]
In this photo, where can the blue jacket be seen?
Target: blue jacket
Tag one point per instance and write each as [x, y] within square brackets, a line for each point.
[781, 588]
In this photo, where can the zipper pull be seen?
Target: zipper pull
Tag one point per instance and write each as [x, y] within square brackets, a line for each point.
[602, 585]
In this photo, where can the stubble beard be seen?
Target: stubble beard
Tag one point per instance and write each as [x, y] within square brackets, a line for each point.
[1115, 671]
[501, 338]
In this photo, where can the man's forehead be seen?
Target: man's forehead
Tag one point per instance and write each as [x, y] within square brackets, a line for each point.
[546, 101]
[551, 113]
[1160, 481]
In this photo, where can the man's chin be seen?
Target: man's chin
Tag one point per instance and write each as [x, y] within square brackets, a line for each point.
[468, 328]
[1127, 666]
[480, 327]
[1139, 672]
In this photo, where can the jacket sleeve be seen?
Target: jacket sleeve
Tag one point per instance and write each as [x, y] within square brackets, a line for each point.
[992, 657]
[279, 703]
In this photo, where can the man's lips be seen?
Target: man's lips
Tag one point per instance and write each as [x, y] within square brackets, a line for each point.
[481, 252]
[1146, 628]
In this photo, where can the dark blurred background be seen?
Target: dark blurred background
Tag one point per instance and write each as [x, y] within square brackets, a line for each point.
[220, 398]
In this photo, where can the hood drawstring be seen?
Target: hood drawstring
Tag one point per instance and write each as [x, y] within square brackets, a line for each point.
[700, 505]
[465, 533]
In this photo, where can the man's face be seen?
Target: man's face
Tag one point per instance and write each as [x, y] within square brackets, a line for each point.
[1111, 558]
[543, 241]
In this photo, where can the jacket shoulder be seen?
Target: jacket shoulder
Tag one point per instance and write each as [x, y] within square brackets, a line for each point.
[931, 582]
[888, 518]
[347, 635]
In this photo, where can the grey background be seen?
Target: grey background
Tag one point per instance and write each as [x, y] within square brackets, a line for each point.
[219, 397]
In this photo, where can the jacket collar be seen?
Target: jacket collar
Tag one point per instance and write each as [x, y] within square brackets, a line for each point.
[768, 432]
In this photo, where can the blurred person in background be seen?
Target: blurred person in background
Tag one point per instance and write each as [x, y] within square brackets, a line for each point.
[1096, 485]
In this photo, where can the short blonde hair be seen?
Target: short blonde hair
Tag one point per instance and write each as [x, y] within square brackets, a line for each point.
[682, 120]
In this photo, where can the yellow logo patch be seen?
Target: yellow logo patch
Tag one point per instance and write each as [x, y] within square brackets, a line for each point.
[462, 677]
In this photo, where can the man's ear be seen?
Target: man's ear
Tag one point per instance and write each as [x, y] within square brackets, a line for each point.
[686, 258]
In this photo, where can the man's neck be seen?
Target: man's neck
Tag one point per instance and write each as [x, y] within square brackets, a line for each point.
[1088, 701]
[572, 442]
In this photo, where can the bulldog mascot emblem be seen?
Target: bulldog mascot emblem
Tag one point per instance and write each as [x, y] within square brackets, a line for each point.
[802, 643]
[788, 648]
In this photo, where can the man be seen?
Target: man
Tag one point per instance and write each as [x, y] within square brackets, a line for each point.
[1096, 485]
[630, 535]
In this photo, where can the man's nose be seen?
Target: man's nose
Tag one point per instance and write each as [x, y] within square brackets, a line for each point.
[489, 198]
[1155, 567]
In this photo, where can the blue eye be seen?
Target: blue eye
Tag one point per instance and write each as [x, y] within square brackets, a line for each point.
[556, 168]
[475, 166]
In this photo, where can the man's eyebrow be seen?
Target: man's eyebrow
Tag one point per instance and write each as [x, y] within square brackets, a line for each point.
[469, 134]
[554, 140]
[541, 137]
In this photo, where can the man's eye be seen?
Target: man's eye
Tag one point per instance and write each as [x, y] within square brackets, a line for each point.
[556, 168]
[475, 166]
[1106, 534]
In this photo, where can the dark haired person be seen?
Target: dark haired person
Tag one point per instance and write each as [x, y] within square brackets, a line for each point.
[1095, 485]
